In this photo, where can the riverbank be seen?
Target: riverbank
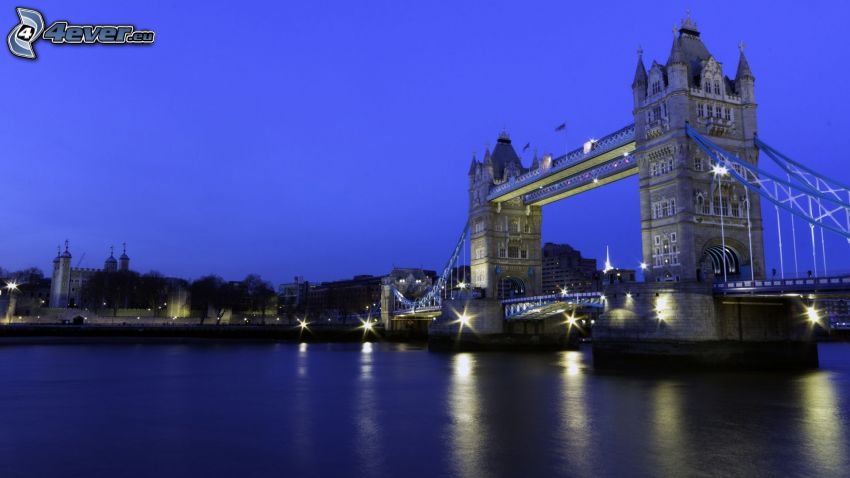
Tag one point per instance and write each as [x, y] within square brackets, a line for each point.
[287, 333]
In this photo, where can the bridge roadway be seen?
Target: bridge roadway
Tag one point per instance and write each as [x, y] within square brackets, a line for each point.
[540, 307]
[597, 163]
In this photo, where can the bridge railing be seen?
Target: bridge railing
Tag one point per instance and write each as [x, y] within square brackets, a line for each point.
[607, 143]
[811, 283]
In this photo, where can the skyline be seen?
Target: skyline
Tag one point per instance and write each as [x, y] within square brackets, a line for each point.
[332, 160]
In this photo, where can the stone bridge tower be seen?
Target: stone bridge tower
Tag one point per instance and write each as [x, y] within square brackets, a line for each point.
[505, 236]
[680, 195]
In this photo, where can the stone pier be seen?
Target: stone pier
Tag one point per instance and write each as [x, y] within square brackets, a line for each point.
[683, 324]
[479, 324]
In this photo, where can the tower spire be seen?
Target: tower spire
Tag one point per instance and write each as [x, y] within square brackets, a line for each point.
[743, 65]
[640, 71]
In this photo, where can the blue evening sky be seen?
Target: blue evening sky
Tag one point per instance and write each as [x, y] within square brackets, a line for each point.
[328, 139]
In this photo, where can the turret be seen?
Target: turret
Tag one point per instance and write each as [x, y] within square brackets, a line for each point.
[639, 82]
[744, 79]
[124, 260]
[677, 66]
[473, 168]
[61, 278]
[111, 264]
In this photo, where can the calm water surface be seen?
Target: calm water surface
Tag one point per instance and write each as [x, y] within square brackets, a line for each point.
[259, 409]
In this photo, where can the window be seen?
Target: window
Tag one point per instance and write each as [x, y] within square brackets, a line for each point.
[717, 111]
[515, 225]
[727, 112]
[672, 237]
[652, 170]
[657, 240]
[664, 109]
[656, 87]
[672, 207]
[700, 110]
[526, 227]
[709, 110]
[479, 227]
[523, 254]
[513, 252]
[503, 253]
[697, 164]
[479, 253]
[716, 88]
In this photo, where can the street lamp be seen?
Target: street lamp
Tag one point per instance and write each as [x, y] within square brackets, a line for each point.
[719, 171]
[10, 287]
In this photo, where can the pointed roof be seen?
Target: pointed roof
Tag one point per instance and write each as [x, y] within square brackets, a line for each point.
[474, 166]
[111, 258]
[535, 163]
[504, 156]
[124, 256]
[640, 72]
[67, 253]
[743, 66]
[676, 53]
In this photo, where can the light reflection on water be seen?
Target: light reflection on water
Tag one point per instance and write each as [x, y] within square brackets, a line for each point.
[464, 398]
[382, 410]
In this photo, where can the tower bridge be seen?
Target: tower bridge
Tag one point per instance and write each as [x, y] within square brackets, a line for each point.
[693, 145]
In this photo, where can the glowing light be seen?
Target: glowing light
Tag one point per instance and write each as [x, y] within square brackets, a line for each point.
[564, 291]
[643, 266]
[367, 348]
[571, 320]
[628, 295]
[719, 170]
[302, 323]
[463, 365]
[812, 314]
[367, 325]
[12, 286]
[464, 319]
[461, 284]
[595, 180]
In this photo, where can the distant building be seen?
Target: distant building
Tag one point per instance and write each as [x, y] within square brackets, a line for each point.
[67, 282]
[565, 268]
[293, 295]
[616, 276]
[344, 297]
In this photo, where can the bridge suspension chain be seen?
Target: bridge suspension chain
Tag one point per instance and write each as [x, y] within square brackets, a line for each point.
[797, 197]
[432, 297]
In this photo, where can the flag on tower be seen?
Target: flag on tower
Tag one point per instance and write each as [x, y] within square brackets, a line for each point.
[561, 127]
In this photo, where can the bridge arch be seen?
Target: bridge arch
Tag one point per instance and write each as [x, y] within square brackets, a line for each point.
[510, 287]
[716, 254]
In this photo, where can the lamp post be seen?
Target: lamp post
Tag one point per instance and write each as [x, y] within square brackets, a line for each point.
[720, 171]
[10, 287]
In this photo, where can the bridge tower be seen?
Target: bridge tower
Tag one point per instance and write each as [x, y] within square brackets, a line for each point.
[681, 197]
[505, 236]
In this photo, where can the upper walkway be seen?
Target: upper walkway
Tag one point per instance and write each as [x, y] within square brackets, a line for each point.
[596, 163]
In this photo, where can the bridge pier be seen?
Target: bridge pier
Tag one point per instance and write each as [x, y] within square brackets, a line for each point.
[479, 324]
[686, 325]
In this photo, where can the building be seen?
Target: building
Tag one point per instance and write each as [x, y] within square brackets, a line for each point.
[67, 282]
[683, 199]
[293, 295]
[339, 299]
[615, 276]
[504, 236]
[565, 268]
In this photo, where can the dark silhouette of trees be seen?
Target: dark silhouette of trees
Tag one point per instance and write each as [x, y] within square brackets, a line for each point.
[152, 292]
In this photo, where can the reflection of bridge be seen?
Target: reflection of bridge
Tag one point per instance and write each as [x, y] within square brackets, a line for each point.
[694, 148]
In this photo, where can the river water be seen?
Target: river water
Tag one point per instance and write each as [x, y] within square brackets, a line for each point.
[274, 409]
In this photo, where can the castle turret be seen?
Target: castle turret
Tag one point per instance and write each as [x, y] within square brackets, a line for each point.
[61, 278]
[111, 264]
[744, 79]
[639, 82]
[124, 260]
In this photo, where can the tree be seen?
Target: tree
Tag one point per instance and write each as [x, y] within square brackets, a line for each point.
[259, 293]
[153, 291]
[206, 292]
